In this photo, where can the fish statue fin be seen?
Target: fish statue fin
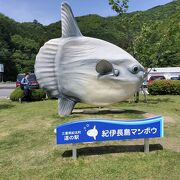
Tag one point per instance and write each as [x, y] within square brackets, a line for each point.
[45, 67]
[66, 105]
[104, 67]
[68, 22]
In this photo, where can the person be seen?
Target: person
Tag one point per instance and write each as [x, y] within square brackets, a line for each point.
[26, 85]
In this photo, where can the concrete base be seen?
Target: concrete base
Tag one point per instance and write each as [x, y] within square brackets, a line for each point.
[97, 111]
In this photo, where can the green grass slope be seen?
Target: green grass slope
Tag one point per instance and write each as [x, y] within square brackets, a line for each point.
[28, 149]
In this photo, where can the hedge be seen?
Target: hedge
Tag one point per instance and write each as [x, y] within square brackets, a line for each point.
[36, 94]
[164, 87]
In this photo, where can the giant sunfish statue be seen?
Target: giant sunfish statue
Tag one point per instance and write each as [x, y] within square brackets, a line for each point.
[76, 68]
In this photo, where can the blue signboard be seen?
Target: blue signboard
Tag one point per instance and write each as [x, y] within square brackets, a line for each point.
[93, 130]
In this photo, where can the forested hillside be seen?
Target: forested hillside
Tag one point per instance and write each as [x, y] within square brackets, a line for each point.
[152, 36]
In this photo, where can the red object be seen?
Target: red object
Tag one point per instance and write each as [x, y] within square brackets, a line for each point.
[17, 83]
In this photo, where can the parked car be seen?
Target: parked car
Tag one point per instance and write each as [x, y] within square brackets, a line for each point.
[153, 78]
[32, 79]
[175, 78]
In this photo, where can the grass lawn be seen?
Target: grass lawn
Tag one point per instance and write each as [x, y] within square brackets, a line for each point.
[28, 149]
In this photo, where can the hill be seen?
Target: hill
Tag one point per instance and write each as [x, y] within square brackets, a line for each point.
[152, 36]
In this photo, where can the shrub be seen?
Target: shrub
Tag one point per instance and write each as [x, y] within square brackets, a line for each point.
[164, 87]
[36, 94]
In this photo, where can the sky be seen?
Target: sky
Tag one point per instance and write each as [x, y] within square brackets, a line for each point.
[48, 11]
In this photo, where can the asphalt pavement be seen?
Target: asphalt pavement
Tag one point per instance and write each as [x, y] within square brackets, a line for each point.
[6, 89]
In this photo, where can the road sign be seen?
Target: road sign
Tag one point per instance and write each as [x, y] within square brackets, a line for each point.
[1, 68]
[94, 130]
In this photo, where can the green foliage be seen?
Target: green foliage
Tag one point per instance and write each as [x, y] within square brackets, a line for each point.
[164, 87]
[36, 94]
[120, 6]
[158, 49]
[152, 36]
[24, 52]
[16, 94]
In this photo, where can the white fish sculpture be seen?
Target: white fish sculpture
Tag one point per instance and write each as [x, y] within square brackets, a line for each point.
[76, 68]
[93, 132]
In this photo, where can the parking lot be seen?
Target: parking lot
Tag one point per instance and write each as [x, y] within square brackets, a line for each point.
[6, 89]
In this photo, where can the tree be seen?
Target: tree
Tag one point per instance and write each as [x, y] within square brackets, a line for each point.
[120, 6]
[35, 21]
[23, 53]
[157, 44]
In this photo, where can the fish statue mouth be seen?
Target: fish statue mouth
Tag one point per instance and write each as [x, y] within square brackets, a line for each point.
[75, 68]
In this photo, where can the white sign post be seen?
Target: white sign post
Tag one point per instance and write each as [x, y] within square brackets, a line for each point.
[1, 72]
[1, 68]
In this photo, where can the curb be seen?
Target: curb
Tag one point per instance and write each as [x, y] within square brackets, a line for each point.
[8, 87]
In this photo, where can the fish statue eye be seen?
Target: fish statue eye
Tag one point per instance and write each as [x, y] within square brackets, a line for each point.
[116, 72]
[135, 69]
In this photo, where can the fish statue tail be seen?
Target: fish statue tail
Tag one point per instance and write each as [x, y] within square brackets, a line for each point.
[66, 105]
